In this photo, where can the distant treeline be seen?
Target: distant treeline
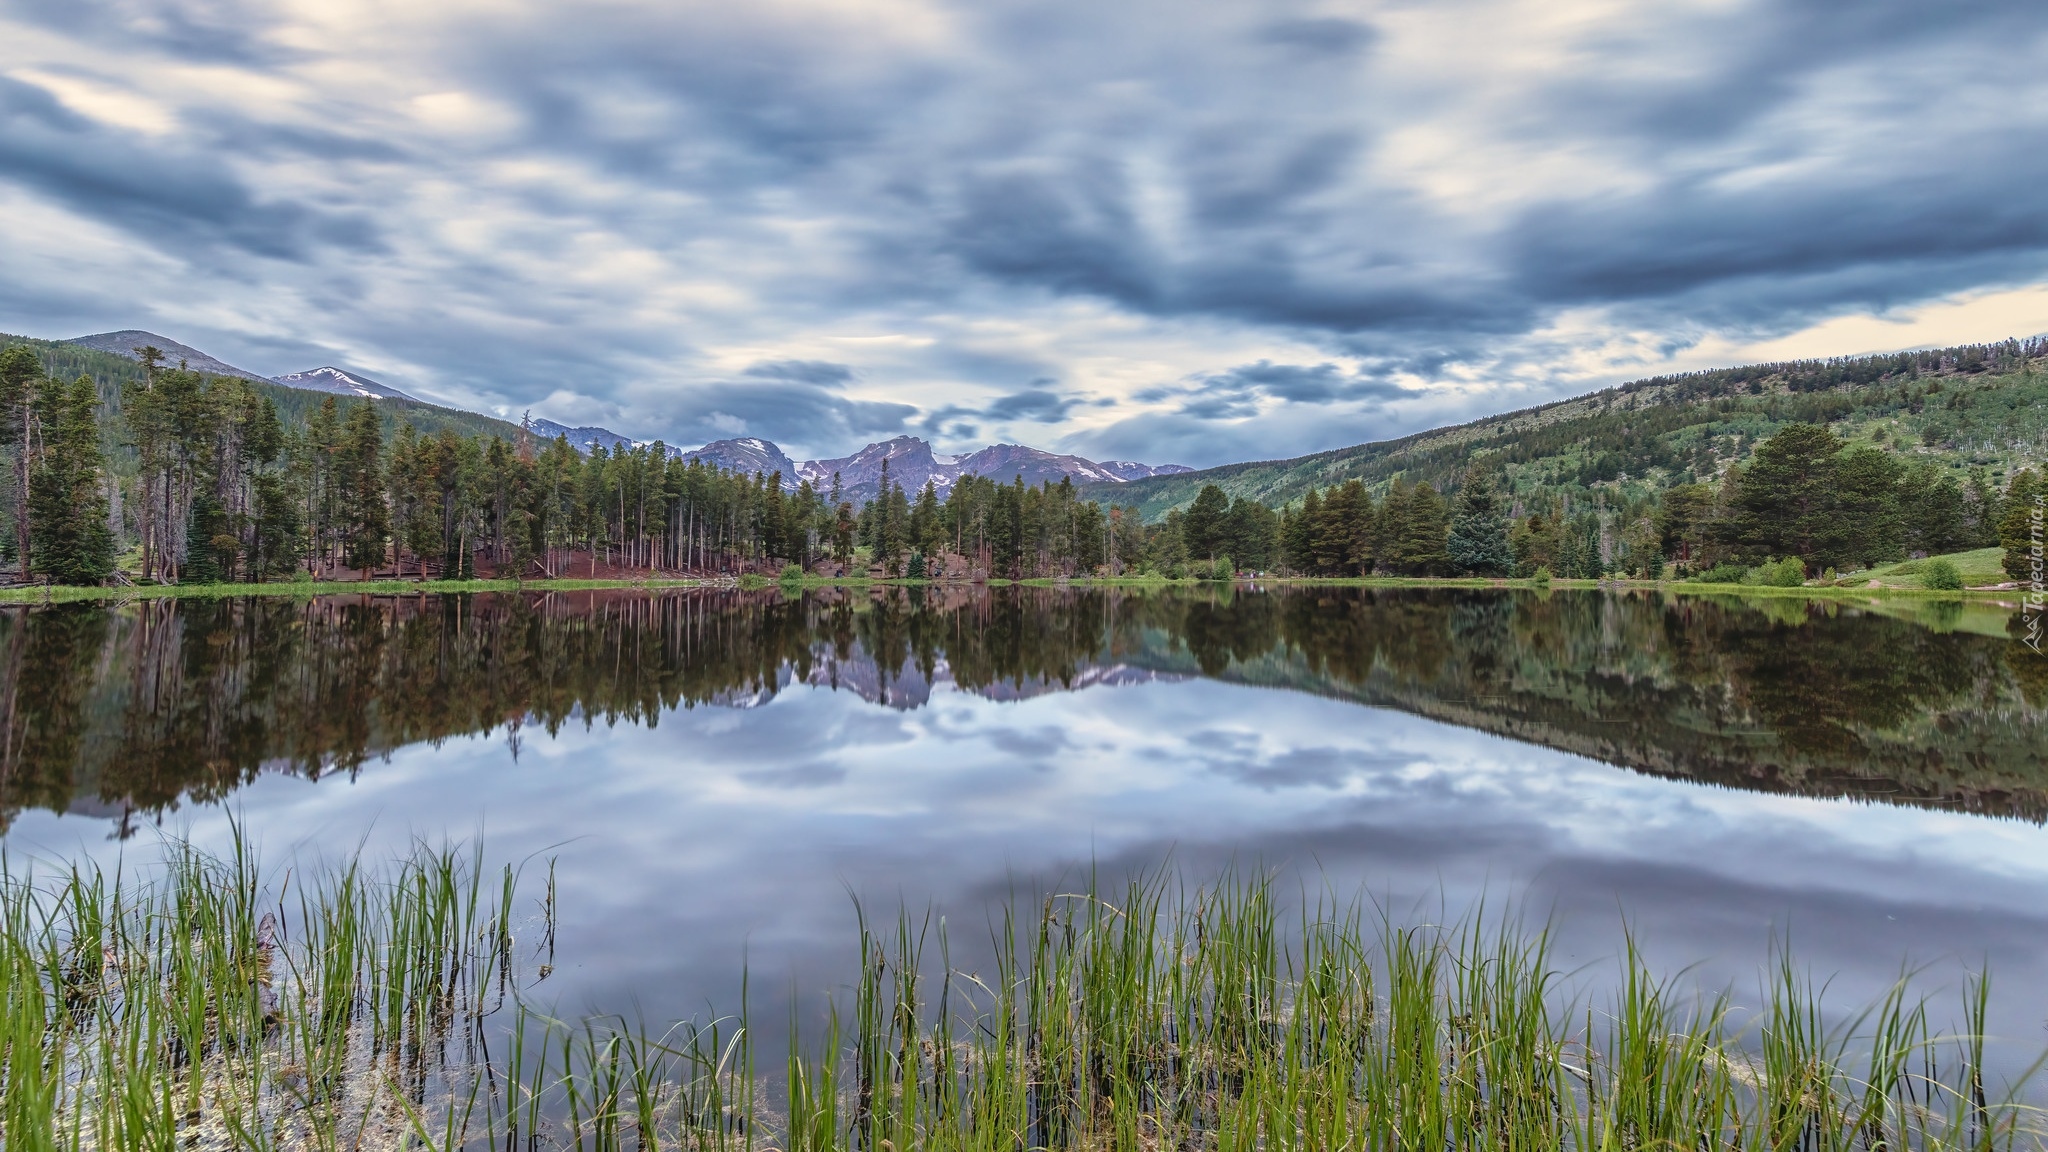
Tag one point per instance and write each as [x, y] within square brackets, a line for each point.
[1805, 496]
[223, 488]
[215, 484]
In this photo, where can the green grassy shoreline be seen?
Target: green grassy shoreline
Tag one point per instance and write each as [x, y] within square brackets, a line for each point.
[62, 593]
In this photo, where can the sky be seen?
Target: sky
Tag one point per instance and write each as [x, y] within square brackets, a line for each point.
[1172, 232]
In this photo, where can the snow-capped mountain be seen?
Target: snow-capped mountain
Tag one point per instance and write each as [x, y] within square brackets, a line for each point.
[912, 462]
[341, 382]
[126, 341]
[1004, 461]
[581, 438]
[748, 456]
[1132, 470]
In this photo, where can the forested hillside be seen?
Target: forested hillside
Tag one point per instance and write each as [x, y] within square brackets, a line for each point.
[1977, 407]
[147, 472]
[118, 471]
[111, 372]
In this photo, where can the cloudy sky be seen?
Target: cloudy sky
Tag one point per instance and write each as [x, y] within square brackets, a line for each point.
[1165, 231]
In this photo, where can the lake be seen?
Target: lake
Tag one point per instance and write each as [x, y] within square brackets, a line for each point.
[716, 776]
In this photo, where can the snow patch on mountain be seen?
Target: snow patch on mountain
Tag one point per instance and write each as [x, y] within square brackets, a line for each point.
[341, 382]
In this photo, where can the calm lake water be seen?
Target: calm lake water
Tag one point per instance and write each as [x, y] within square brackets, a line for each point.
[716, 774]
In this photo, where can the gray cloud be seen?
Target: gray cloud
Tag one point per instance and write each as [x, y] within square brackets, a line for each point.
[798, 415]
[801, 371]
[1039, 405]
[180, 200]
[1267, 229]
[1319, 35]
[206, 31]
[1313, 384]
[1242, 394]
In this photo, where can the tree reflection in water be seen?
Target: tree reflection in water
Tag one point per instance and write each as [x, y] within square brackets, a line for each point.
[138, 707]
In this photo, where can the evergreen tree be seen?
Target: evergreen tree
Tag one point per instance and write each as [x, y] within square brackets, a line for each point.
[1392, 526]
[411, 510]
[1805, 496]
[1865, 525]
[70, 542]
[809, 519]
[320, 470]
[1478, 539]
[1253, 533]
[1982, 511]
[843, 527]
[927, 527]
[1166, 553]
[892, 531]
[1933, 515]
[775, 528]
[1784, 504]
[2022, 529]
[1205, 526]
[21, 384]
[1418, 548]
[1090, 537]
[1298, 533]
[210, 548]
[1331, 532]
[1683, 519]
[1579, 555]
[359, 477]
[1534, 542]
[1006, 529]
[1364, 532]
[273, 541]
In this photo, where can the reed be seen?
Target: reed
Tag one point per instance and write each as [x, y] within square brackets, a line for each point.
[203, 1005]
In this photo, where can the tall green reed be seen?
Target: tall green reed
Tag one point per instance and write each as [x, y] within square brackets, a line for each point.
[199, 1005]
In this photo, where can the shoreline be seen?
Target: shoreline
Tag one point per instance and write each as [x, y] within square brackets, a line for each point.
[63, 593]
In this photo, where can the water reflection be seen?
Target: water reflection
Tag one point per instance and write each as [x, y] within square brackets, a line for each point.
[131, 710]
[713, 773]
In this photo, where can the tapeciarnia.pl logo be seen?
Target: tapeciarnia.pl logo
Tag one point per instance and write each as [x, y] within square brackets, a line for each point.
[2037, 591]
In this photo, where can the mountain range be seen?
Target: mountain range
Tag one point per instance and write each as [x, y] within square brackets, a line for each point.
[912, 464]
[911, 460]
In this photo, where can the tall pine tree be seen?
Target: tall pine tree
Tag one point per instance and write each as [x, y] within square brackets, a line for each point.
[1478, 542]
[2021, 530]
[71, 542]
[21, 382]
[1205, 526]
[359, 479]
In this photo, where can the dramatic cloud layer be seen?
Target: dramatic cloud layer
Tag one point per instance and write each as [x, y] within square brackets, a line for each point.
[1164, 231]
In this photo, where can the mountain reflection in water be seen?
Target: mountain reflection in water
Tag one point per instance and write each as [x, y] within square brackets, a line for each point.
[138, 707]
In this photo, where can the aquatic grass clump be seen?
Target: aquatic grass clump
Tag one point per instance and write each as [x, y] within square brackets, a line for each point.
[358, 1008]
[197, 1007]
[1166, 1017]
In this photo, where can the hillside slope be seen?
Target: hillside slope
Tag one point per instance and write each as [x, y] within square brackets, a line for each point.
[110, 370]
[1978, 406]
[125, 342]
